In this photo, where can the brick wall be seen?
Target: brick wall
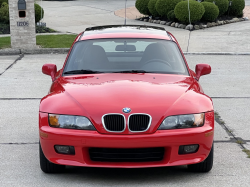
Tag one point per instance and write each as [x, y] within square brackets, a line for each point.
[22, 37]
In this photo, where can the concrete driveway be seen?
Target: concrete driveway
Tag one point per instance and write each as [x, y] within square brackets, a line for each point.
[22, 86]
[75, 16]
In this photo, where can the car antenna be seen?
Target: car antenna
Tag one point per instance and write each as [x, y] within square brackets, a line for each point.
[125, 12]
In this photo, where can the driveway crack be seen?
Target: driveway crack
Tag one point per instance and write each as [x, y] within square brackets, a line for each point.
[10, 66]
[235, 139]
[7, 99]
[21, 143]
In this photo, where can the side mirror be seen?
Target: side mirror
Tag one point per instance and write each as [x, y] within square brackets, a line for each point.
[50, 69]
[202, 69]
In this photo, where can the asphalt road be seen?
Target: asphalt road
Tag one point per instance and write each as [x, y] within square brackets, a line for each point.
[23, 84]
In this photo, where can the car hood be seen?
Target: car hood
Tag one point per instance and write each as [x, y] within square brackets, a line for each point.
[155, 94]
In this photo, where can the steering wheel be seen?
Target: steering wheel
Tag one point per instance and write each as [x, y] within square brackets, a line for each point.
[157, 60]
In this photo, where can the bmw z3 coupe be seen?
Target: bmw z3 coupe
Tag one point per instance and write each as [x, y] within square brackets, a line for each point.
[126, 98]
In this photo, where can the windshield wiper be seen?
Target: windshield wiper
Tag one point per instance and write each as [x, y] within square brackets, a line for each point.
[131, 71]
[82, 71]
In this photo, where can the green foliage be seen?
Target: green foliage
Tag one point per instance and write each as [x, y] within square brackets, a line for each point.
[222, 5]
[4, 28]
[171, 15]
[3, 1]
[241, 14]
[46, 41]
[4, 13]
[142, 6]
[196, 11]
[42, 29]
[151, 8]
[237, 7]
[4, 42]
[211, 11]
[38, 14]
[164, 6]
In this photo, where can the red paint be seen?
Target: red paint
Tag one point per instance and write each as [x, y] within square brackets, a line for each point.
[125, 35]
[93, 95]
[50, 69]
[202, 69]
[169, 139]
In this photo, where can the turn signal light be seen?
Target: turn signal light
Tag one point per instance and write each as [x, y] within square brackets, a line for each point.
[54, 120]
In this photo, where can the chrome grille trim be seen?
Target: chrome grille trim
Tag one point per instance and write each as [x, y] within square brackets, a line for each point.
[103, 122]
[149, 124]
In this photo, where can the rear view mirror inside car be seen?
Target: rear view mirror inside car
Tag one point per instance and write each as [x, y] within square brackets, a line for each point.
[125, 48]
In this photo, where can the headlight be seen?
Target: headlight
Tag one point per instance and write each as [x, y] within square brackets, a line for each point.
[70, 122]
[183, 121]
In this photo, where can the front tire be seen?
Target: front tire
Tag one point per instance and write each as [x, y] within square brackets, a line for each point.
[48, 167]
[204, 166]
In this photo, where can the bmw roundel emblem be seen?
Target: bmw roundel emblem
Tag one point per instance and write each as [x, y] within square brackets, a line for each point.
[126, 110]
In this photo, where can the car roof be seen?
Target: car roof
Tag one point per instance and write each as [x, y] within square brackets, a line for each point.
[125, 31]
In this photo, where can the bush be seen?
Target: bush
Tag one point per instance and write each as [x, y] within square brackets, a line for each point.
[171, 15]
[38, 15]
[3, 1]
[196, 11]
[4, 13]
[163, 7]
[42, 29]
[4, 28]
[211, 11]
[236, 7]
[222, 5]
[142, 6]
[151, 8]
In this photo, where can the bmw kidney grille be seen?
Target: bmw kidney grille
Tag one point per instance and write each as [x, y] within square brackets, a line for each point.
[139, 122]
[114, 122]
[117, 122]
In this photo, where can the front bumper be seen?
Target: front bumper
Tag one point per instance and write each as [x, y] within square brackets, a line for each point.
[83, 140]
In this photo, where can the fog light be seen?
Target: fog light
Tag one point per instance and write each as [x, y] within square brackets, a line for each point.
[187, 149]
[65, 149]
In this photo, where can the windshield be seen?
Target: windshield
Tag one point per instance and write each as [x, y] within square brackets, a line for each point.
[125, 56]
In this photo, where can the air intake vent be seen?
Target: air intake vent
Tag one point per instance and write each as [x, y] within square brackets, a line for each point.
[126, 155]
[139, 122]
[114, 122]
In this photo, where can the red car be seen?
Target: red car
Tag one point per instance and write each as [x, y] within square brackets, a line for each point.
[126, 98]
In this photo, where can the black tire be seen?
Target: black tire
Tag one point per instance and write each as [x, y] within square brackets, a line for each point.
[204, 166]
[48, 167]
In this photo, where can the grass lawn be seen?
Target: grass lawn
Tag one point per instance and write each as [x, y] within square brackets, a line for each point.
[4, 42]
[55, 41]
[45, 41]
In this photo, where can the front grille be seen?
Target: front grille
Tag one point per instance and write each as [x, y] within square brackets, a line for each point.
[114, 122]
[139, 122]
[126, 155]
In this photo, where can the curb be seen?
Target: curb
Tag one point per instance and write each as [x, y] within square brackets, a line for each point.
[34, 51]
[66, 50]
